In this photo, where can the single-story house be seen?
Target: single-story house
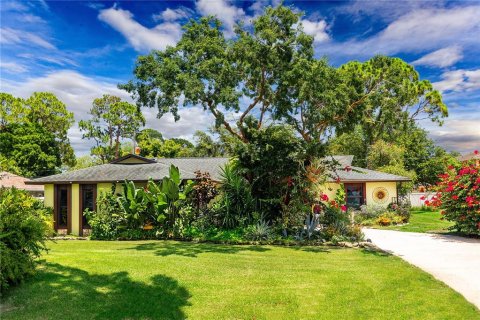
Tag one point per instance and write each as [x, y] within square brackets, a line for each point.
[363, 186]
[10, 180]
[71, 193]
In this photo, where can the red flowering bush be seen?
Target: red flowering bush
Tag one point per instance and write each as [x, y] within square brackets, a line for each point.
[458, 195]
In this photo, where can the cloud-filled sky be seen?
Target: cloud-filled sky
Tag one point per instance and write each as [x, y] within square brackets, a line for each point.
[80, 50]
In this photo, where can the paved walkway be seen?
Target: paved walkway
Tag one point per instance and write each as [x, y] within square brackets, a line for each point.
[453, 260]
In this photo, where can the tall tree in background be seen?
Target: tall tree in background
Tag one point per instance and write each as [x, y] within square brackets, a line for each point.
[273, 68]
[111, 121]
[33, 148]
[40, 110]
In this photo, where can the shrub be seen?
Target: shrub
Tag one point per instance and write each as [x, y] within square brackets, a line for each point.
[402, 210]
[203, 191]
[458, 194]
[235, 204]
[106, 221]
[24, 225]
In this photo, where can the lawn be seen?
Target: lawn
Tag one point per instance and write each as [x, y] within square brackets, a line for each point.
[422, 221]
[172, 280]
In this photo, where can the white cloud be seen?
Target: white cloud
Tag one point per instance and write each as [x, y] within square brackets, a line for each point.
[173, 14]
[13, 36]
[459, 80]
[30, 18]
[139, 36]
[317, 29]
[12, 67]
[417, 31]
[460, 135]
[224, 11]
[441, 58]
[78, 91]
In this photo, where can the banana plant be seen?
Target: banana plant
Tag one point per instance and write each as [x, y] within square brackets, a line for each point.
[133, 203]
[157, 199]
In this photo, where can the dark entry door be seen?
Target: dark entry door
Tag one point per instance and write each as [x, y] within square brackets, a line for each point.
[63, 208]
[355, 194]
[88, 199]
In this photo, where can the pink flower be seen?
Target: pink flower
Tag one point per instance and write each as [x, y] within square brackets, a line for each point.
[324, 197]
[475, 152]
[344, 208]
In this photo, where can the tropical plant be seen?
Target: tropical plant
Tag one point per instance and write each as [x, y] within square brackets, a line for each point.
[106, 221]
[259, 231]
[134, 205]
[235, 203]
[24, 225]
[203, 191]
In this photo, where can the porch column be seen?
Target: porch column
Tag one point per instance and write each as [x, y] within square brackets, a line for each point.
[75, 209]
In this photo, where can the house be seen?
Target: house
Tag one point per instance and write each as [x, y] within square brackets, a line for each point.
[10, 180]
[71, 193]
[362, 186]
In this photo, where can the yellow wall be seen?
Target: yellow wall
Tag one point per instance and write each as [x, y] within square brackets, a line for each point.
[76, 209]
[330, 189]
[391, 188]
[48, 199]
[107, 186]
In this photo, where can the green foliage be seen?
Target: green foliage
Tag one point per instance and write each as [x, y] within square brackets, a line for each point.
[105, 222]
[259, 231]
[111, 120]
[383, 154]
[41, 110]
[24, 225]
[272, 157]
[236, 204]
[83, 162]
[30, 149]
[458, 195]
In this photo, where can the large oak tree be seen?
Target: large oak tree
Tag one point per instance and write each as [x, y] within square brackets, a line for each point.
[268, 72]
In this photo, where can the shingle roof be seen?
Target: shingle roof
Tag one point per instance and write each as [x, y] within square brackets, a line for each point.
[344, 160]
[138, 172]
[361, 174]
[9, 180]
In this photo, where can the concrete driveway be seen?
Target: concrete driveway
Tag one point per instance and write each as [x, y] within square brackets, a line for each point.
[453, 260]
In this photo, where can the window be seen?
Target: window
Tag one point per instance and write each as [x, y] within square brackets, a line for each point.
[355, 193]
[88, 198]
[62, 207]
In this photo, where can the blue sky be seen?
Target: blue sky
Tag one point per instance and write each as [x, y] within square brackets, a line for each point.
[80, 50]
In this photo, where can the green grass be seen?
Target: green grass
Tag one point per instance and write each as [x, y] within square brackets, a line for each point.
[422, 221]
[172, 280]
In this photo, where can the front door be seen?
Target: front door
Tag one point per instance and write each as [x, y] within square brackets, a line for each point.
[355, 194]
[62, 207]
[88, 199]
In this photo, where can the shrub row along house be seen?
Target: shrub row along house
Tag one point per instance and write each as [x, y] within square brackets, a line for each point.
[71, 193]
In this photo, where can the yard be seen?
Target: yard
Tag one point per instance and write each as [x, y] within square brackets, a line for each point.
[178, 280]
[422, 221]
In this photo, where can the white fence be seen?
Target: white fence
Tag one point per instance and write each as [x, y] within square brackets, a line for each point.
[415, 200]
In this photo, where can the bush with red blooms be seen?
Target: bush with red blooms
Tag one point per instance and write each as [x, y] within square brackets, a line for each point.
[458, 195]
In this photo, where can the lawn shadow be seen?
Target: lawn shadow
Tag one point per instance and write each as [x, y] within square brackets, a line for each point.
[191, 249]
[375, 252]
[76, 294]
